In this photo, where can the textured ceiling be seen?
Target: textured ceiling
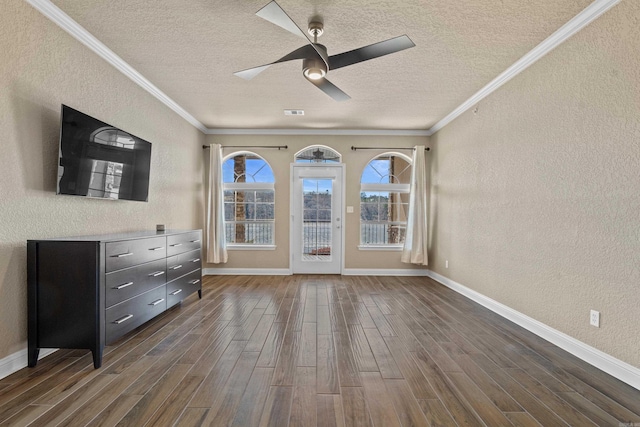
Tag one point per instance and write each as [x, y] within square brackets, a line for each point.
[190, 49]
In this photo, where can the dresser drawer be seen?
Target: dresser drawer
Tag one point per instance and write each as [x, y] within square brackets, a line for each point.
[181, 288]
[180, 243]
[179, 265]
[128, 315]
[126, 253]
[132, 281]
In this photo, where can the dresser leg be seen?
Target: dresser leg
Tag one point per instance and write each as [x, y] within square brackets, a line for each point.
[97, 357]
[200, 293]
[33, 356]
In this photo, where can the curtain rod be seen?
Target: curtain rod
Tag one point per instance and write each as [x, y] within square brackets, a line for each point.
[279, 147]
[386, 148]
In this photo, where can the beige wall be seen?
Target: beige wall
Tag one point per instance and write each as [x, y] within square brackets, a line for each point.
[42, 67]
[280, 162]
[536, 196]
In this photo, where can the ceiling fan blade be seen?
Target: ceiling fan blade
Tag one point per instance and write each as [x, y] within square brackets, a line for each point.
[330, 89]
[300, 53]
[250, 73]
[273, 13]
[372, 51]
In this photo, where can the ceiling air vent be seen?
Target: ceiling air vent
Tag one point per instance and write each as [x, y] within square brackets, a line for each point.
[294, 112]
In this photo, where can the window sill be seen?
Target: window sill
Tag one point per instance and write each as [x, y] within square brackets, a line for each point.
[388, 248]
[251, 247]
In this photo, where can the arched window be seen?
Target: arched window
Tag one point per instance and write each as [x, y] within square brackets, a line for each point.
[384, 200]
[318, 154]
[249, 196]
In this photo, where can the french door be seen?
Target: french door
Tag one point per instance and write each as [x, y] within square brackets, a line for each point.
[316, 219]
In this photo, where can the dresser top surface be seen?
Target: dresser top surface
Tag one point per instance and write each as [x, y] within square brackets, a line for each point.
[115, 236]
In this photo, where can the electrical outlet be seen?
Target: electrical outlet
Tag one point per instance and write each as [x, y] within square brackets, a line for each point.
[594, 319]
[446, 263]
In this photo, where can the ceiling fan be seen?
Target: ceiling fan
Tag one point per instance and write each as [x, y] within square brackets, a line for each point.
[316, 62]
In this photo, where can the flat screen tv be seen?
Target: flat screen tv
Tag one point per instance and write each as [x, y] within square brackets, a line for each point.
[99, 160]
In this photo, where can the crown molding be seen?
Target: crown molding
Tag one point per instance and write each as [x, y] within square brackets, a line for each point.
[578, 22]
[350, 132]
[64, 21]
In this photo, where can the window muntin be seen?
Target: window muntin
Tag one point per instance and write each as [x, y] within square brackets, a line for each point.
[384, 200]
[249, 200]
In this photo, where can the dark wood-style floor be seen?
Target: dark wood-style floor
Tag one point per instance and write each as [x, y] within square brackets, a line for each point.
[321, 350]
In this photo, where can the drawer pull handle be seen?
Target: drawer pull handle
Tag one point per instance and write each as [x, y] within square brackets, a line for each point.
[195, 260]
[124, 285]
[159, 248]
[123, 319]
[194, 282]
[157, 273]
[122, 255]
[176, 267]
[195, 241]
[176, 244]
[176, 292]
[157, 301]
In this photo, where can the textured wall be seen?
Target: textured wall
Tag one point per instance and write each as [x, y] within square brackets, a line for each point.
[536, 194]
[42, 67]
[280, 162]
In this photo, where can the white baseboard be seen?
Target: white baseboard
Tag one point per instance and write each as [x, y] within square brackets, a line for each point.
[246, 272]
[18, 360]
[617, 368]
[385, 272]
[287, 272]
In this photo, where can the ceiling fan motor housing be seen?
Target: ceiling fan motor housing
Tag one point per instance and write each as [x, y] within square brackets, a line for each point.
[315, 68]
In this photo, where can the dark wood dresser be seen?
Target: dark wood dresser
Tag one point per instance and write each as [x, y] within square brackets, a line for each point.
[86, 292]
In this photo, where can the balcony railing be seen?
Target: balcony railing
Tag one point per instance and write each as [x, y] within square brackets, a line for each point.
[316, 234]
[249, 232]
[316, 238]
[382, 233]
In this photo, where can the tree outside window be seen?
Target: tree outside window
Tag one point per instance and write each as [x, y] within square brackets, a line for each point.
[249, 200]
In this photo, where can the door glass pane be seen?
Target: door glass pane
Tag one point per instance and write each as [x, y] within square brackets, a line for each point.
[316, 214]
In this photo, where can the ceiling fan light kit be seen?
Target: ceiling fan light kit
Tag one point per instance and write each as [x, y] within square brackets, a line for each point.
[315, 68]
[316, 62]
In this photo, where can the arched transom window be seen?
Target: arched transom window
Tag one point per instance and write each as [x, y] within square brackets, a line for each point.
[384, 200]
[249, 197]
[318, 154]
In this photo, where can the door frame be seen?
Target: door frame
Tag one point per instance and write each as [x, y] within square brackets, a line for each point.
[292, 168]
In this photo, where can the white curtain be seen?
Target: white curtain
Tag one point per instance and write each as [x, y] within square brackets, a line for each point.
[414, 250]
[215, 235]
